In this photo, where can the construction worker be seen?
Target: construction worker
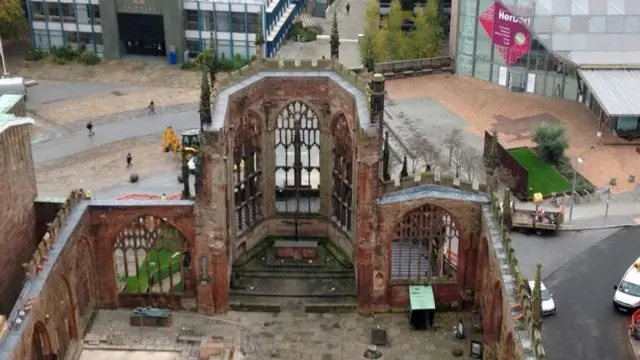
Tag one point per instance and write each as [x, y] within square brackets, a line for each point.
[87, 195]
[163, 197]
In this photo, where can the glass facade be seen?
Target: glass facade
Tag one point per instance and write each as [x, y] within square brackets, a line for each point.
[495, 45]
[58, 24]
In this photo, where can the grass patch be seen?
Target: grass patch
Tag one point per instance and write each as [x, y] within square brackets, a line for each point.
[543, 177]
[300, 33]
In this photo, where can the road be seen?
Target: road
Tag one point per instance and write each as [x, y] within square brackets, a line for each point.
[58, 143]
[586, 327]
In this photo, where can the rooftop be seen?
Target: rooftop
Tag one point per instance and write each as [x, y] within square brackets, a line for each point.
[585, 32]
[8, 101]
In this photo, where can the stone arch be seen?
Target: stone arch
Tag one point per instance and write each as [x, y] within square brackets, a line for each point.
[85, 276]
[496, 310]
[273, 121]
[335, 121]
[343, 173]
[121, 225]
[40, 342]
[424, 243]
[66, 328]
[297, 147]
[143, 256]
[248, 192]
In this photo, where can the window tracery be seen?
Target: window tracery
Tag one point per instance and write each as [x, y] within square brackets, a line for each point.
[425, 245]
[247, 169]
[297, 152]
[149, 257]
[342, 197]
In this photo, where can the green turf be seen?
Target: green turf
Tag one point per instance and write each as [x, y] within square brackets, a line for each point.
[543, 178]
[156, 266]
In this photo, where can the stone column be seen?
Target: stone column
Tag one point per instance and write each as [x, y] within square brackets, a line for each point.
[326, 162]
[268, 161]
[377, 100]
[212, 240]
[110, 32]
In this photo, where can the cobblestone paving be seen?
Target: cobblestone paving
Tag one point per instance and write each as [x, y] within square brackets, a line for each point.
[105, 166]
[295, 335]
[479, 102]
[106, 103]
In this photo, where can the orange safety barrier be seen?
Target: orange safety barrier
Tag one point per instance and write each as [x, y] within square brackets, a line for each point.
[634, 327]
[149, 197]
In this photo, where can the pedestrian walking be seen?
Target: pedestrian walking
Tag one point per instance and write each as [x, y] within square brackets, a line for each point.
[90, 128]
[129, 160]
[152, 108]
[348, 8]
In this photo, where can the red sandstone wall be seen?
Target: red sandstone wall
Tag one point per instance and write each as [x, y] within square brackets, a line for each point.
[17, 228]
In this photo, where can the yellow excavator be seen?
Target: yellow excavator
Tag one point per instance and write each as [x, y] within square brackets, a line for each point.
[190, 142]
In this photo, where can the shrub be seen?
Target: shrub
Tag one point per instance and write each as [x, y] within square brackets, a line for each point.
[232, 64]
[299, 33]
[66, 52]
[35, 55]
[89, 58]
[190, 66]
[552, 142]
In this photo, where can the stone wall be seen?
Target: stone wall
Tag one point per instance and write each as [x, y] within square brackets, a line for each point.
[18, 217]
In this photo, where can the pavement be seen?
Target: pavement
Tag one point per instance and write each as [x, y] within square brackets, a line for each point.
[349, 26]
[288, 335]
[586, 326]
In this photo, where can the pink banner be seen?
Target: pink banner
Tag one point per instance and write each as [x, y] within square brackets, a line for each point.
[507, 32]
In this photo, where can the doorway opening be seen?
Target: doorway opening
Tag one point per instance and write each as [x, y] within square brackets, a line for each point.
[142, 34]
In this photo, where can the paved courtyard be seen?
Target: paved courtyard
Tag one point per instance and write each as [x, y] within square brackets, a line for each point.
[481, 106]
[286, 335]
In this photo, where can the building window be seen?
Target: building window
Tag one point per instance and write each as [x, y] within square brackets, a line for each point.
[95, 10]
[207, 20]
[191, 20]
[297, 151]
[342, 173]
[222, 21]
[52, 12]
[252, 22]
[56, 38]
[194, 47]
[238, 22]
[40, 39]
[425, 244]
[247, 173]
[67, 11]
[37, 10]
[71, 37]
[149, 256]
[86, 39]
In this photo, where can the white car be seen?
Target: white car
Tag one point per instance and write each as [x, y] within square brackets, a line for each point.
[626, 297]
[548, 305]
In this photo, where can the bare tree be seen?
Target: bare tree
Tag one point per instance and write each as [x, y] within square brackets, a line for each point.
[424, 150]
[453, 141]
[471, 161]
[457, 160]
[506, 176]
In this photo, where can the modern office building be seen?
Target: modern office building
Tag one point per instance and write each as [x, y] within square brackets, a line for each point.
[584, 50]
[115, 28]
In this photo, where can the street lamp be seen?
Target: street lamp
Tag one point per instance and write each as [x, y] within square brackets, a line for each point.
[4, 64]
[573, 187]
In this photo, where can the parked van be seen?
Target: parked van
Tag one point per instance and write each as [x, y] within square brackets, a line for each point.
[627, 293]
[13, 86]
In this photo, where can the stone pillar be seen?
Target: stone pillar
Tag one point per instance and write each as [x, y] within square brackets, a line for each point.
[212, 238]
[110, 33]
[367, 182]
[326, 162]
[268, 161]
[377, 100]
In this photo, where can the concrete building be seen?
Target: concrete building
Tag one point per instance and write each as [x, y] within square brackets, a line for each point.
[583, 50]
[116, 28]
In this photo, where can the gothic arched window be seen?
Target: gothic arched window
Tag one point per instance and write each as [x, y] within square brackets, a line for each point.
[247, 173]
[149, 256]
[342, 204]
[297, 151]
[425, 244]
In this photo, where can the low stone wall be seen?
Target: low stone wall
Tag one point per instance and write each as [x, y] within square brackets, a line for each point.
[407, 68]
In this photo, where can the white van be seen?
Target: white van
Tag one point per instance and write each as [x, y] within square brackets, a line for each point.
[13, 86]
[627, 293]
